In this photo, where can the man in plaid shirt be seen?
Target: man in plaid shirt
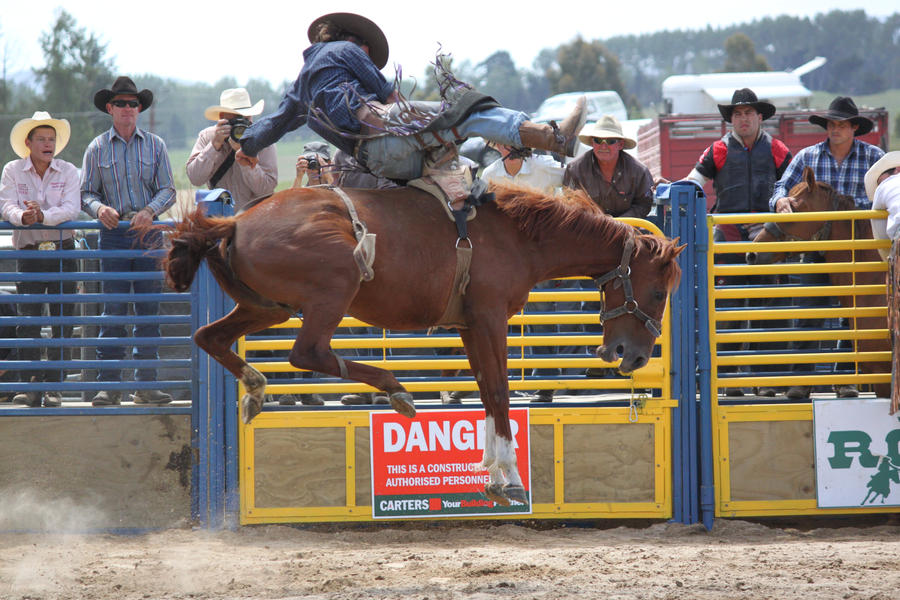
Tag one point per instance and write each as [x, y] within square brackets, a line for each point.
[840, 161]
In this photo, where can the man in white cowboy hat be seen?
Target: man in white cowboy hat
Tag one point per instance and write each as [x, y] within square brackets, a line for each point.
[841, 161]
[615, 180]
[744, 166]
[882, 182]
[126, 175]
[41, 189]
[212, 160]
[344, 97]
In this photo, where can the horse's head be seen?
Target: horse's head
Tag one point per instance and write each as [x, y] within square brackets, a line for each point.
[808, 195]
[634, 299]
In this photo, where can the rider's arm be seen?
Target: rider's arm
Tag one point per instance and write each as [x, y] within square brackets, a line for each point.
[290, 115]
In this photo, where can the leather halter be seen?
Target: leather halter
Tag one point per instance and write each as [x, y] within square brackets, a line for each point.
[823, 233]
[622, 273]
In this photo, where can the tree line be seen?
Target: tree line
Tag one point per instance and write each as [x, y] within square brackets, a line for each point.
[76, 65]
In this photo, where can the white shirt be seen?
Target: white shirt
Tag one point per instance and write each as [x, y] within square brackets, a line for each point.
[58, 193]
[887, 197]
[538, 171]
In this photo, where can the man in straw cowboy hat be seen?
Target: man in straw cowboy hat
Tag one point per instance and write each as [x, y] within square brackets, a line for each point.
[39, 189]
[841, 161]
[744, 166]
[212, 160]
[883, 188]
[615, 180]
[126, 175]
[343, 96]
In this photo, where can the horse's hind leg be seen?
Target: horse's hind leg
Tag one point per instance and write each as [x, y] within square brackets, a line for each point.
[312, 351]
[217, 338]
[485, 344]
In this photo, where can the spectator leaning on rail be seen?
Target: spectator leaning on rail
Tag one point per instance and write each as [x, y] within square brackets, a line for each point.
[615, 180]
[344, 97]
[744, 166]
[842, 162]
[126, 175]
[212, 160]
[41, 189]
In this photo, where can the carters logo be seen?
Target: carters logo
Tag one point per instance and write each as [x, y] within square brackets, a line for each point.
[434, 504]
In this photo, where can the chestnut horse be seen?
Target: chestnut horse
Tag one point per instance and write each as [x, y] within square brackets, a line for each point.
[815, 196]
[293, 253]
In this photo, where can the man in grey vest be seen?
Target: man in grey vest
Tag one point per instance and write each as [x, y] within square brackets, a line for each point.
[743, 166]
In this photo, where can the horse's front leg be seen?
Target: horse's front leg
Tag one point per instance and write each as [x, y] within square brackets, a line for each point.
[487, 352]
[312, 351]
[217, 338]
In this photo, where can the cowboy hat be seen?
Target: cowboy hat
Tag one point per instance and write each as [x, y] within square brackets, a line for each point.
[237, 101]
[889, 161]
[20, 132]
[746, 97]
[123, 85]
[609, 127]
[843, 108]
[362, 28]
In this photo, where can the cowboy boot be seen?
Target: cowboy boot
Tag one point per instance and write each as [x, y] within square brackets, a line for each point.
[562, 139]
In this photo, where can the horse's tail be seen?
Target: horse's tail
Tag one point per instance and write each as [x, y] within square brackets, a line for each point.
[193, 239]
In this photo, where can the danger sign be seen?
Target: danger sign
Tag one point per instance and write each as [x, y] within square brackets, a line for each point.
[428, 466]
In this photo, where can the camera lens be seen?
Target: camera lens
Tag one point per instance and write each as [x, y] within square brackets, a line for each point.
[238, 126]
[312, 163]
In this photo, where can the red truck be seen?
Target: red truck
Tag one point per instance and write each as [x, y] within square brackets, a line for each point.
[671, 144]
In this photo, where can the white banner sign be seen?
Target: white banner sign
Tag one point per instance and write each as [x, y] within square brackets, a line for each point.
[857, 453]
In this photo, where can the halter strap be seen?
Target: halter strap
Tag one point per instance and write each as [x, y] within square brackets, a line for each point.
[823, 233]
[622, 274]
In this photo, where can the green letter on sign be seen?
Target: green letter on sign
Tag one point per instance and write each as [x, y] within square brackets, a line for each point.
[846, 442]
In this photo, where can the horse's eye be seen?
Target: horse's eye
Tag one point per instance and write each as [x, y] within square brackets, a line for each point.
[659, 296]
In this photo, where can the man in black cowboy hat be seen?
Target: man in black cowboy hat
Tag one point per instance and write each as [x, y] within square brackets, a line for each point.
[744, 166]
[344, 97]
[126, 175]
[840, 161]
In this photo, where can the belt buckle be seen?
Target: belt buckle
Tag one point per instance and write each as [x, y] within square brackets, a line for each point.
[47, 245]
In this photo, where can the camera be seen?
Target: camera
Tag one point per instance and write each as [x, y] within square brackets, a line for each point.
[238, 126]
[312, 161]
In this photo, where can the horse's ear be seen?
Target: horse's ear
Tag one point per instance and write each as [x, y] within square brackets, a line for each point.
[809, 177]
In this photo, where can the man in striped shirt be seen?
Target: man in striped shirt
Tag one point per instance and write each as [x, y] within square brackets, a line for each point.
[840, 161]
[126, 176]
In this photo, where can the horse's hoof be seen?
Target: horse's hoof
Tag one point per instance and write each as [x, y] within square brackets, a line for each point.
[494, 492]
[402, 402]
[515, 493]
[250, 407]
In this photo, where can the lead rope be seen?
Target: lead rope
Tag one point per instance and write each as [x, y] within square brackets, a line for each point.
[637, 403]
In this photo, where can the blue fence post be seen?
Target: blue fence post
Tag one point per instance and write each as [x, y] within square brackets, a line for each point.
[214, 415]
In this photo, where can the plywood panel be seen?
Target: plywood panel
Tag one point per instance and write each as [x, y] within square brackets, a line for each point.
[542, 463]
[300, 466]
[363, 467]
[771, 460]
[609, 463]
[95, 472]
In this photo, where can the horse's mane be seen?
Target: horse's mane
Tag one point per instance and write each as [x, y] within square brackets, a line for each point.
[534, 212]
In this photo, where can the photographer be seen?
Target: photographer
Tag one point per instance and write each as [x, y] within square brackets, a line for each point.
[212, 159]
[315, 163]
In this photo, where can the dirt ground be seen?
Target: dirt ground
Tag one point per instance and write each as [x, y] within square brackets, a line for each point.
[472, 561]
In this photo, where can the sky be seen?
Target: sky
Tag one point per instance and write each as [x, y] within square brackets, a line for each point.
[264, 39]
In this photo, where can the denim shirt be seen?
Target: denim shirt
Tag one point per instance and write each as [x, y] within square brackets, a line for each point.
[128, 176]
[328, 69]
[846, 178]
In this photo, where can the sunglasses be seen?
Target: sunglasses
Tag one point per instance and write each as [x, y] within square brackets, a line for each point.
[124, 103]
[607, 141]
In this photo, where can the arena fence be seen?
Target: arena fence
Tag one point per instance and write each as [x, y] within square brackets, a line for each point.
[776, 327]
[664, 444]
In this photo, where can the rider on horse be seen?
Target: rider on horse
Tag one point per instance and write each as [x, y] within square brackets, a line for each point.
[343, 96]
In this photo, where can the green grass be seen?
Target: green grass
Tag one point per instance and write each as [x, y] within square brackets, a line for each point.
[287, 151]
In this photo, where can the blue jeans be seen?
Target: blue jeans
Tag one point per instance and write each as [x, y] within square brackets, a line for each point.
[402, 157]
[123, 240]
